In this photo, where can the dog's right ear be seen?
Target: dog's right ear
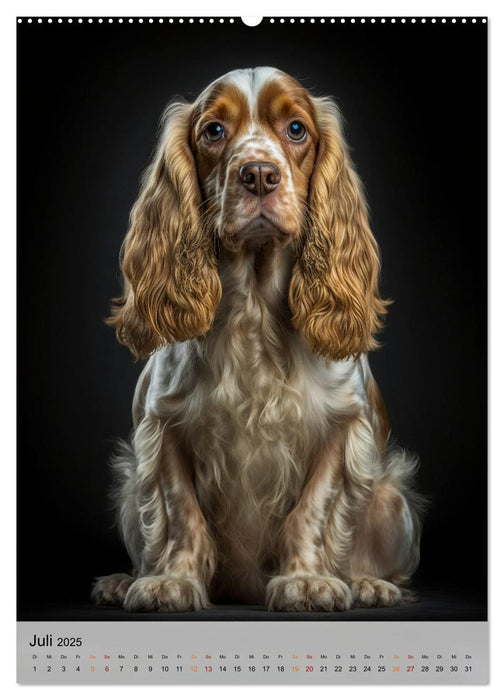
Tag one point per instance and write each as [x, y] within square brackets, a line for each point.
[170, 281]
[334, 294]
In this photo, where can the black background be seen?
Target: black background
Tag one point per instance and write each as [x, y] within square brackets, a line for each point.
[89, 99]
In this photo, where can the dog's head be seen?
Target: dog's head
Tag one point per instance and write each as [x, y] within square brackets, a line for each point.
[254, 138]
[255, 160]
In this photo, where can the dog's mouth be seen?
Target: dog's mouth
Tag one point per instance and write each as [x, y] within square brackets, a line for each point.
[257, 233]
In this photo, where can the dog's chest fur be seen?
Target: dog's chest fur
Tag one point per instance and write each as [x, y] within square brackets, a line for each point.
[261, 407]
[248, 433]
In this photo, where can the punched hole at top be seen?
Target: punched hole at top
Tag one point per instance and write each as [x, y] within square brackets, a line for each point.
[251, 21]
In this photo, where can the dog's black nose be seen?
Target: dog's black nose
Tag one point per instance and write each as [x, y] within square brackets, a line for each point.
[260, 177]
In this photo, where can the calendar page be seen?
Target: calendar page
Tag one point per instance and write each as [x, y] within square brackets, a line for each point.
[252, 337]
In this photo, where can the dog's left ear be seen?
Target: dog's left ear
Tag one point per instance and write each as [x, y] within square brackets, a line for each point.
[171, 283]
[334, 294]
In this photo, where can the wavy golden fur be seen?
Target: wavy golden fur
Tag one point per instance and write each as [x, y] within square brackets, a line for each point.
[334, 293]
[172, 288]
[260, 468]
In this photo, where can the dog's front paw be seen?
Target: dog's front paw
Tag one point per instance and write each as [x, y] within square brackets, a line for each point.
[306, 593]
[111, 590]
[166, 594]
[369, 592]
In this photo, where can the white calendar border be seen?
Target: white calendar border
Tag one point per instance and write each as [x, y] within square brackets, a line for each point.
[260, 7]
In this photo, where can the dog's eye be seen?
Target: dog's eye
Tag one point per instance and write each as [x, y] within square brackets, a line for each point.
[296, 131]
[215, 132]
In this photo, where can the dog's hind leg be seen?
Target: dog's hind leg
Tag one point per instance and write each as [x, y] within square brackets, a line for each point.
[386, 542]
[112, 589]
[163, 528]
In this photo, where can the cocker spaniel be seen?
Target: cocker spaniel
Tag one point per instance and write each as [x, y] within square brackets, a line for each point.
[260, 468]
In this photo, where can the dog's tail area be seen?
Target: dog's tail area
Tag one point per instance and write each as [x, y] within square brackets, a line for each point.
[401, 469]
[124, 493]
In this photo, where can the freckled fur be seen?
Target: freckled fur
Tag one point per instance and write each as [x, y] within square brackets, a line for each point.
[260, 468]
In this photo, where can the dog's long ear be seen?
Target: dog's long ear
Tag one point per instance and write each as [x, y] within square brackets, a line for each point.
[171, 285]
[334, 295]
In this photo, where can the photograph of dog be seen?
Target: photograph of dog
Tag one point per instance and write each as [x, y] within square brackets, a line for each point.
[261, 468]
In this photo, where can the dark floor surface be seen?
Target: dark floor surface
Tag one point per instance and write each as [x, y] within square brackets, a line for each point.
[432, 604]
